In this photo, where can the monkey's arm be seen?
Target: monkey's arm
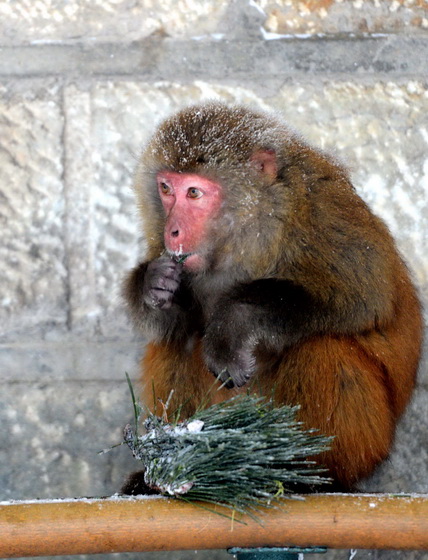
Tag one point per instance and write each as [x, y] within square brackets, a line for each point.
[341, 279]
[278, 313]
[273, 312]
[158, 299]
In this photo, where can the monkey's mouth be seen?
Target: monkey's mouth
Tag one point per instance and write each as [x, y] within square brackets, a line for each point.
[192, 262]
[180, 258]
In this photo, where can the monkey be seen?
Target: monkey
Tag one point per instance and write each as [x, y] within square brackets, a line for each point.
[265, 269]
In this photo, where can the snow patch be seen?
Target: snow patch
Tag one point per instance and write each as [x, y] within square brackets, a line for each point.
[91, 501]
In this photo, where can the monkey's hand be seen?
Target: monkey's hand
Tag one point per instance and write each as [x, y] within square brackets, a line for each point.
[229, 345]
[161, 281]
[159, 300]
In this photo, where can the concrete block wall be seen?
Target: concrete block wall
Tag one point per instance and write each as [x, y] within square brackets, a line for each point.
[82, 86]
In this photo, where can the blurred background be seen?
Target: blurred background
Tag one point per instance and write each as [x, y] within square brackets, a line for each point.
[82, 86]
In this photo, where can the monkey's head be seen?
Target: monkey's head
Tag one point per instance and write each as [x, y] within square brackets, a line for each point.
[208, 186]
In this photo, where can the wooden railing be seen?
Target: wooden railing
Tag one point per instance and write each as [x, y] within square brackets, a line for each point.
[89, 526]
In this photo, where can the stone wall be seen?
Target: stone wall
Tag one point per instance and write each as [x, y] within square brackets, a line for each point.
[82, 86]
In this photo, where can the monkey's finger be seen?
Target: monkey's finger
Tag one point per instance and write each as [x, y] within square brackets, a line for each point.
[226, 379]
[165, 283]
[240, 379]
[159, 299]
[174, 272]
[167, 268]
[237, 376]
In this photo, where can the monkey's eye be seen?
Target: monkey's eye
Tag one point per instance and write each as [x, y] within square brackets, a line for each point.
[164, 188]
[193, 192]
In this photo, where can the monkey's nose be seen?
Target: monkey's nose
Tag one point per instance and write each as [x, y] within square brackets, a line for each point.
[175, 233]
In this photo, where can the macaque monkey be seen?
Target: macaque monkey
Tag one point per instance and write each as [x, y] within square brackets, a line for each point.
[265, 269]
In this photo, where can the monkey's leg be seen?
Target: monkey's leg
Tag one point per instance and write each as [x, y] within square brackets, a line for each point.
[342, 392]
[166, 368]
[170, 367]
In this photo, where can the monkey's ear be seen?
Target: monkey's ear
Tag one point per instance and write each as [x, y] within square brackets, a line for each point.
[265, 161]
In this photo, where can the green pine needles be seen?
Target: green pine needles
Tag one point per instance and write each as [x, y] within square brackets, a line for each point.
[242, 453]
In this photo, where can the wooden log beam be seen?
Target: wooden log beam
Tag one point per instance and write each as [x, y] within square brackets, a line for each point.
[89, 526]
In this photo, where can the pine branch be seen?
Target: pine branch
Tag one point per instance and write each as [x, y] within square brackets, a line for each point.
[243, 453]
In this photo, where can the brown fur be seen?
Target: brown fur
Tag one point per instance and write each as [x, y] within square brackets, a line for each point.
[346, 349]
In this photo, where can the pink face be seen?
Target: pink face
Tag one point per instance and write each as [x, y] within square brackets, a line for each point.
[190, 202]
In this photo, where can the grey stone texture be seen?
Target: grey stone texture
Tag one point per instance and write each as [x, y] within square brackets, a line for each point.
[82, 86]
[55, 21]
[344, 16]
